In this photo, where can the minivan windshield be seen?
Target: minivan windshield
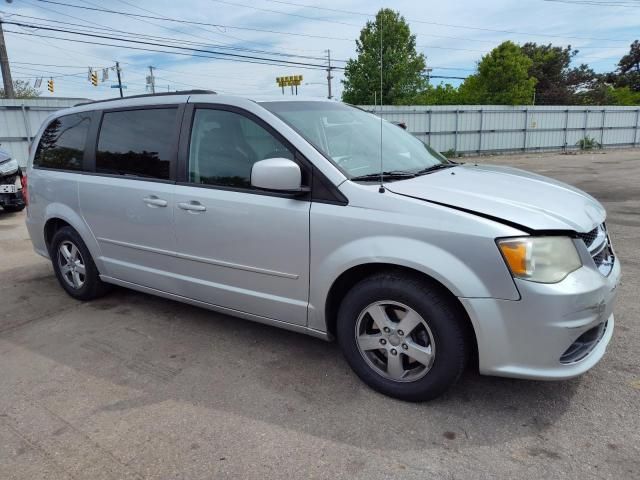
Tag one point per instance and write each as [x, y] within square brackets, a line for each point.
[350, 137]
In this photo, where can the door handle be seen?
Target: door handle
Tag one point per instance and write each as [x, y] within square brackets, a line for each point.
[192, 206]
[154, 201]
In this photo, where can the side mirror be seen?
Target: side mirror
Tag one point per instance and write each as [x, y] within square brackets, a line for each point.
[279, 174]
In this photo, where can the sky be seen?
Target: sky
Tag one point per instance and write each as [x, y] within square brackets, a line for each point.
[453, 36]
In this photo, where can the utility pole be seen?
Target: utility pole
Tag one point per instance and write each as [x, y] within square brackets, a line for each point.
[119, 78]
[329, 76]
[152, 80]
[428, 74]
[4, 64]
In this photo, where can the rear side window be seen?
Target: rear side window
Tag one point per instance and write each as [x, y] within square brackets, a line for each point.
[137, 142]
[62, 143]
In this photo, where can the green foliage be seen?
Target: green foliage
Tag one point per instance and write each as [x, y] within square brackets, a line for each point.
[588, 143]
[22, 89]
[550, 66]
[443, 94]
[451, 153]
[502, 78]
[509, 75]
[559, 83]
[631, 61]
[624, 96]
[628, 73]
[402, 66]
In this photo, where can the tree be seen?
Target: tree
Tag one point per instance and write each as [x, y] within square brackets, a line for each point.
[550, 66]
[589, 87]
[631, 61]
[402, 65]
[628, 74]
[22, 89]
[502, 78]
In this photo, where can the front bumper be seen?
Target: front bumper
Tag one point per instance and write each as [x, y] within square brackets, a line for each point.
[526, 338]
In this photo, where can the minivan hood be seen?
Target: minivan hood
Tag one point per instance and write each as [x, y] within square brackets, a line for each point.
[515, 196]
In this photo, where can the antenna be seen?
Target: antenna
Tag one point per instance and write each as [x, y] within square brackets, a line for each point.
[381, 189]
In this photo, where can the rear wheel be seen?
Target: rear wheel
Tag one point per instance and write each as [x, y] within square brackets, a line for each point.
[402, 336]
[74, 267]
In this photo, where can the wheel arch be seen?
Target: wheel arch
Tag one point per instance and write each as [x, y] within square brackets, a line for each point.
[347, 279]
[51, 226]
[58, 216]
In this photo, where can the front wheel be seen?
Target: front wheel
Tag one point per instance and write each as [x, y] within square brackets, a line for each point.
[402, 336]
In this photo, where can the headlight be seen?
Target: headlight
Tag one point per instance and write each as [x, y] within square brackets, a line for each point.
[540, 259]
[8, 167]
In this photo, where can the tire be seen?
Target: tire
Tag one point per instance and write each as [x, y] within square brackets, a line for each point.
[13, 208]
[438, 338]
[81, 286]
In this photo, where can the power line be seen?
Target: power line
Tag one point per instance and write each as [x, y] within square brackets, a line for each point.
[218, 30]
[273, 62]
[341, 23]
[419, 34]
[208, 75]
[188, 22]
[452, 48]
[238, 56]
[154, 37]
[49, 65]
[315, 19]
[453, 68]
[598, 3]
[198, 24]
[64, 51]
[447, 77]
[177, 40]
[450, 25]
[64, 14]
[56, 74]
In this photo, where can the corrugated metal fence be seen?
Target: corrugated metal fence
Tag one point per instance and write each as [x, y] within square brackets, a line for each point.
[21, 119]
[496, 128]
[464, 129]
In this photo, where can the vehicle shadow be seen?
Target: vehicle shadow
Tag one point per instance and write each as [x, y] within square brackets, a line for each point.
[172, 351]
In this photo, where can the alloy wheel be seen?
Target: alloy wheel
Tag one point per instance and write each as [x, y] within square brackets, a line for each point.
[72, 266]
[395, 341]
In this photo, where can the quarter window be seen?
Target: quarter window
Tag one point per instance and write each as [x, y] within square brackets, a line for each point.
[62, 143]
[225, 145]
[137, 142]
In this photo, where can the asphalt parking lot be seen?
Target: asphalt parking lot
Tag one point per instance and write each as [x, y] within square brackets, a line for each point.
[133, 386]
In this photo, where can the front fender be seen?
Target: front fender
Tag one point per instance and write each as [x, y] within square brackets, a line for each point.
[451, 271]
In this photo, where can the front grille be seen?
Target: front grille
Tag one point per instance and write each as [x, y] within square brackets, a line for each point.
[599, 246]
[589, 237]
[584, 344]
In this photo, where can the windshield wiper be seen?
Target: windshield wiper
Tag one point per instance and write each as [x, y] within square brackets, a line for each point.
[386, 175]
[437, 166]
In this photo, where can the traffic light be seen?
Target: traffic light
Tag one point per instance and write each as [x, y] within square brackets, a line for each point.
[50, 85]
[94, 79]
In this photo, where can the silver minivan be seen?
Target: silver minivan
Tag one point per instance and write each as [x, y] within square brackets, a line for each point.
[321, 218]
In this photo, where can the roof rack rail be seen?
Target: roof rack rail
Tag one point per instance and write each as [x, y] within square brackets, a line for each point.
[178, 92]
